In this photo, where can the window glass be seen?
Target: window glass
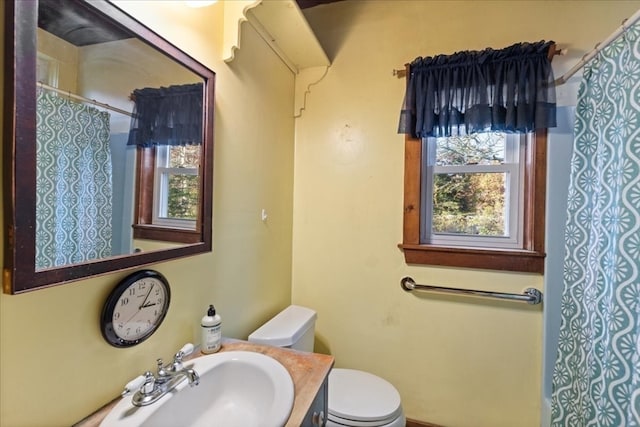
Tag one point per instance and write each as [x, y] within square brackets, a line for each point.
[47, 70]
[176, 186]
[477, 149]
[182, 200]
[470, 203]
[473, 191]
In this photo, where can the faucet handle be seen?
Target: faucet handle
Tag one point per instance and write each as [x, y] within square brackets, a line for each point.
[186, 350]
[134, 384]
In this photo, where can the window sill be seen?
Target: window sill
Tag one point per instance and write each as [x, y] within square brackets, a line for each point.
[164, 234]
[490, 259]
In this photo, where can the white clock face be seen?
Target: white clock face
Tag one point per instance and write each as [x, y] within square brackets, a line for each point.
[139, 309]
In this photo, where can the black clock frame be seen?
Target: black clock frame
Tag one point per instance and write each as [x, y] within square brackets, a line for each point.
[106, 318]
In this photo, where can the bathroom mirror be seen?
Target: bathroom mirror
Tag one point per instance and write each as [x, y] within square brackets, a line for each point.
[108, 144]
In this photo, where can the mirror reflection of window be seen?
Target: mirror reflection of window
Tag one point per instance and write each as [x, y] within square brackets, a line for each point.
[167, 129]
[47, 70]
[89, 56]
[96, 64]
[176, 186]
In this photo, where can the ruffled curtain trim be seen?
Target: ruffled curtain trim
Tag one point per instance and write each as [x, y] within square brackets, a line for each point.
[167, 116]
[509, 90]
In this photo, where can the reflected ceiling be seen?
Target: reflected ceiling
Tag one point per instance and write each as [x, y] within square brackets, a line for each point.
[77, 26]
[303, 4]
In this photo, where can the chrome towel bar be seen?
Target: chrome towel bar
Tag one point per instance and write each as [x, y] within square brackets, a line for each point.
[529, 295]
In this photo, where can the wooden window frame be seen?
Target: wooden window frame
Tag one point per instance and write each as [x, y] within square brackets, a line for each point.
[529, 259]
[143, 227]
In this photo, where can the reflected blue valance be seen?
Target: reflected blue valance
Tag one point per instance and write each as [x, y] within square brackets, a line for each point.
[167, 116]
[508, 90]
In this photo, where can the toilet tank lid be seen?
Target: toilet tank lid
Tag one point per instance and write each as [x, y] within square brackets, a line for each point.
[286, 327]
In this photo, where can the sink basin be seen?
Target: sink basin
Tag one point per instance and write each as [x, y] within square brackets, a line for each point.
[237, 389]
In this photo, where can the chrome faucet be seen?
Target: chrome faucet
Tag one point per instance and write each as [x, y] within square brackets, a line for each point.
[153, 387]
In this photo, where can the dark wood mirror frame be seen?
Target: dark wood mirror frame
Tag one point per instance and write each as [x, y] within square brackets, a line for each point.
[19, 176]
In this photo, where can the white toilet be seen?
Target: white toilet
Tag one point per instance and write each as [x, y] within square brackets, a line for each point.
[356, 398]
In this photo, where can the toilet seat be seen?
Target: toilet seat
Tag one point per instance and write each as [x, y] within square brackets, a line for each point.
[361, 399]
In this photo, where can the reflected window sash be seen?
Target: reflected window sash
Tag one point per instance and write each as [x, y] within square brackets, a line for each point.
[163, 173]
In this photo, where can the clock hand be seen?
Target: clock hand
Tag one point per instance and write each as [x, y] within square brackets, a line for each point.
[131, 318]
[139, 309]
[147, 297]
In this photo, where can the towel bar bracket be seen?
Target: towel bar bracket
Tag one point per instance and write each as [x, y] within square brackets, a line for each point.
[535, 294]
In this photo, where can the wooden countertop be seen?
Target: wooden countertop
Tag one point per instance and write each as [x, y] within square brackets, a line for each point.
[308, 371]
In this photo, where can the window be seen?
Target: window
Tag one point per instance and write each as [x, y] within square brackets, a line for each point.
[447, 220]
[47, 69]
[476, 201]
[472, 190]
[167, 128]
[168, 193]
[175, 190]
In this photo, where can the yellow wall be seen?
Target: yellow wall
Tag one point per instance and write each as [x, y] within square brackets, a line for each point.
[455, 361]
[55, 368]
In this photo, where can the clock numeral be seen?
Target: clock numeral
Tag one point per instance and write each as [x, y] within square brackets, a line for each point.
[132, 291]
[138, 329]
[124, 301]
[116, 315]
[120, 325]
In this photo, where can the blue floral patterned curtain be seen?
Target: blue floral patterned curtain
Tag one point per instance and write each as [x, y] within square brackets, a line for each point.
[597, 374]
[73, 182]
[167, 116]
[507, 90]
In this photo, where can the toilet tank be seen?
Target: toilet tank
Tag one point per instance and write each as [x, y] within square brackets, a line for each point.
[293, 327]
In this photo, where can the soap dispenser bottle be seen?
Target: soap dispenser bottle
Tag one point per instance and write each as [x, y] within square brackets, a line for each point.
[211, 331]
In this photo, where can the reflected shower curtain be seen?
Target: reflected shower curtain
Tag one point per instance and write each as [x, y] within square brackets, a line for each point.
[73, 182]
[596, 380]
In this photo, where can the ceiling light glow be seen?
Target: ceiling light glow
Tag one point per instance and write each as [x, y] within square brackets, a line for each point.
[199, 3]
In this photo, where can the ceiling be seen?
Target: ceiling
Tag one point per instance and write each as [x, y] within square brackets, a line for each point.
[76, 24]
[81, 27]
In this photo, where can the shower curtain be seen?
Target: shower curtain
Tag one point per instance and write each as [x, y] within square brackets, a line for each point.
[596, 380]
[73, 182]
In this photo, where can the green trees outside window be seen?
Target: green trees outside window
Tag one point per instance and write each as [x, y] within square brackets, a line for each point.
[467, 198]
[182, 197]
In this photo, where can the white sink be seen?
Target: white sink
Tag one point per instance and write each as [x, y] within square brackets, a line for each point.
[237, 389]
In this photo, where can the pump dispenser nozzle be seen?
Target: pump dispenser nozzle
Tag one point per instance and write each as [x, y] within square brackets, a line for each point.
[212, 310]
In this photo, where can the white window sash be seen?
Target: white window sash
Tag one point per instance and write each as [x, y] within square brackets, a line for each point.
[52, 67]
[161, 191]
[514, 198]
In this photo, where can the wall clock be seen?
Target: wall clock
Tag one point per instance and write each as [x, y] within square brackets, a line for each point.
[135, 308]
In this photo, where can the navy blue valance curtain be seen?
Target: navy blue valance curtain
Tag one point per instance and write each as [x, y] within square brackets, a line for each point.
[167, 116]
[508, 90]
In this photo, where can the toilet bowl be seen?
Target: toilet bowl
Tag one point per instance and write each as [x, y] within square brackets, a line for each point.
[356, 398]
